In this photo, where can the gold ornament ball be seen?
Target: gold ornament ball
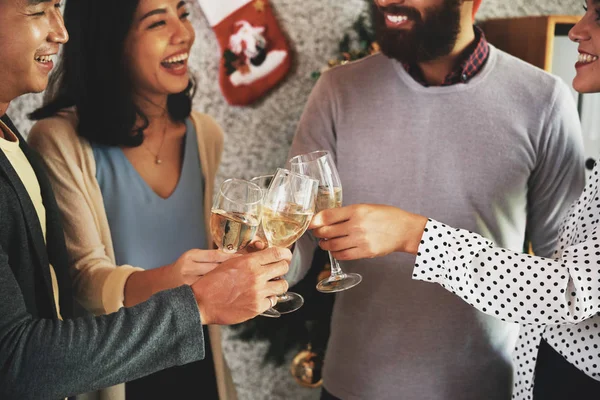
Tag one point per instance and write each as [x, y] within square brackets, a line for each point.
[307, 369]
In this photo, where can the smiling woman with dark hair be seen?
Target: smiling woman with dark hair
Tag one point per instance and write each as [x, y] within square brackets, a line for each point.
[132, 165]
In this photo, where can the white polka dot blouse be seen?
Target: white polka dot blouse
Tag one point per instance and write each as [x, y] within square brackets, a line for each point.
[556, 299]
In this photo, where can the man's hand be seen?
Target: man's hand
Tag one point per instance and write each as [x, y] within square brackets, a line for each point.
[367, 231]
[240, 288]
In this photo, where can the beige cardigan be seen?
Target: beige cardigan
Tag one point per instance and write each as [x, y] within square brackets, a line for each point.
[99, 284]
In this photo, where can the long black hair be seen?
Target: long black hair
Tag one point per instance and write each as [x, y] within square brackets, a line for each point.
[92, 75]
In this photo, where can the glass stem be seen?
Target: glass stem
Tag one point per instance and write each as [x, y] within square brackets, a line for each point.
[336, 270]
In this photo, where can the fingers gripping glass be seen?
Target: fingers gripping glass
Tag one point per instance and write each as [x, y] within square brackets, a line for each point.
[320, 165]
[235, 218]
[288, 207]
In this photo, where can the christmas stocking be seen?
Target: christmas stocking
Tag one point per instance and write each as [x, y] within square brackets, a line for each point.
[476, 4]
[255, 54]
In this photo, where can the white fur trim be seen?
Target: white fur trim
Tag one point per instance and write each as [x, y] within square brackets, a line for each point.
[217, 10]
[274, 59]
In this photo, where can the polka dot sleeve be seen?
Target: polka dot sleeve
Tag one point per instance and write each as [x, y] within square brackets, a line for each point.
[512, 286]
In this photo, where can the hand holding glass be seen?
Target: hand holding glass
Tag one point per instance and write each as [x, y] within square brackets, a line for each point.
[235, 218]
[320, 165]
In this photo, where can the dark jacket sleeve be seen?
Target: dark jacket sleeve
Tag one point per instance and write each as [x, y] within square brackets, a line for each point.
[51, 359]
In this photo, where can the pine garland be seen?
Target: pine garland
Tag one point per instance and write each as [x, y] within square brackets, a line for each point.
[354, 46]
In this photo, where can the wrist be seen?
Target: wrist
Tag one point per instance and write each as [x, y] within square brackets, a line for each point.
[414, 230]
[204, 315]
[168, 278]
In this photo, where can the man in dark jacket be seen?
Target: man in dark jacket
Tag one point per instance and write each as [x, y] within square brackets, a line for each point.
[45, 352]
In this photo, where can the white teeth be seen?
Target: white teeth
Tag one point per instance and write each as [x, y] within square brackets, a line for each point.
[586, 58]
[43, 59]
[396, 19]
[179, 58]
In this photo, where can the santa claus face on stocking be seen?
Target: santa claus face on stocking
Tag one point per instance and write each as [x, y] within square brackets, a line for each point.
[255, 59]
[250, 42]
[157, 47]
[255, 55]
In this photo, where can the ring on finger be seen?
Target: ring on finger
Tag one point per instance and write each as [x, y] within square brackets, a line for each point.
[273, 301]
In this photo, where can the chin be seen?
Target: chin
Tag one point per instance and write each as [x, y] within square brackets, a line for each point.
[175, 87]
[583, 86]
[38, 87]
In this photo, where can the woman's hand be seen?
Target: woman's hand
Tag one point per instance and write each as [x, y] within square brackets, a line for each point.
[188, 268]
[256, 245]
[195, 263]
[368, 231]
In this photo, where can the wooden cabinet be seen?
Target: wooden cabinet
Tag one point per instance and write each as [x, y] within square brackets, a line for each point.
[530, 38]
[543, 42]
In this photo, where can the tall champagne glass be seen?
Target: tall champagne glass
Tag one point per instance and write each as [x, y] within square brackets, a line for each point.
[235, 218]
[320, 165]
[262, 182]
[288, 208]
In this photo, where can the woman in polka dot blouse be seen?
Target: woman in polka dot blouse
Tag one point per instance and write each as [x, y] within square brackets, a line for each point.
[556, 300]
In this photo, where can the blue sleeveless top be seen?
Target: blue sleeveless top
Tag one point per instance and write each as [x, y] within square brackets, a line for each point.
[147, 230]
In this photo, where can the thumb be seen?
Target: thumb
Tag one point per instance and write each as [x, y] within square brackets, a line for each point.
[317, 221]
[210, 256]
[202, 268]
[330, 216]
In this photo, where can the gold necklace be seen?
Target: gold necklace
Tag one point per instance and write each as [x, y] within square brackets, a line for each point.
[157, 159]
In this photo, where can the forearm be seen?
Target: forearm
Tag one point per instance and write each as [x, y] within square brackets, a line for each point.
[45, 359]
[512, 286]
[141, 285]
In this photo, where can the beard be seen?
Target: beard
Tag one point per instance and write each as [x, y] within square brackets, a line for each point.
[432, 36]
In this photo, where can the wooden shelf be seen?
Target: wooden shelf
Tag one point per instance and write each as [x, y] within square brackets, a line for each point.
[528, 38]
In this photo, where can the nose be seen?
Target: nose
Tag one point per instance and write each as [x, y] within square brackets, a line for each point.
[580, 32]
[183, 33]
[58, 32]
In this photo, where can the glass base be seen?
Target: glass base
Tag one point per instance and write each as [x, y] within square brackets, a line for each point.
[339, 283]
[289, 302]
[271, 313]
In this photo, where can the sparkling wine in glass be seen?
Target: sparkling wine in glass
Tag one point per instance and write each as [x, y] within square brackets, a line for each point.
[288, 207]
[320, 165]
[235, 215]
[235, 218]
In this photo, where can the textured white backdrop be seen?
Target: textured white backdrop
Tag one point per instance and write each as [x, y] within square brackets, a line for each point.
[258, 137]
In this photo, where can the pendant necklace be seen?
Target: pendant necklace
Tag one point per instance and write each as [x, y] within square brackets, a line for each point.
[157, 159]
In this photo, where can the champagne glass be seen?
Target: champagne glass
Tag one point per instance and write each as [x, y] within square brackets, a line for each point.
[320, 165]
[288, 208]
[235, 215]
[235, 218]
[262, 182]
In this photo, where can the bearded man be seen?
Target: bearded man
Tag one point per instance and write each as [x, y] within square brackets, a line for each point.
[440, 124]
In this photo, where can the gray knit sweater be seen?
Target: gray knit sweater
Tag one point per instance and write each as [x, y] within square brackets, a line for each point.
[501, 155]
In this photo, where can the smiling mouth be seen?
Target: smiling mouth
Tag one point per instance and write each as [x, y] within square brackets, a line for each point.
[396, 19]
[175, 61]
[44, 59]
[586, 58]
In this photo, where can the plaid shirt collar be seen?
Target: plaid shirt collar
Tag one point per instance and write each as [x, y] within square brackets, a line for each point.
[474, 58]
